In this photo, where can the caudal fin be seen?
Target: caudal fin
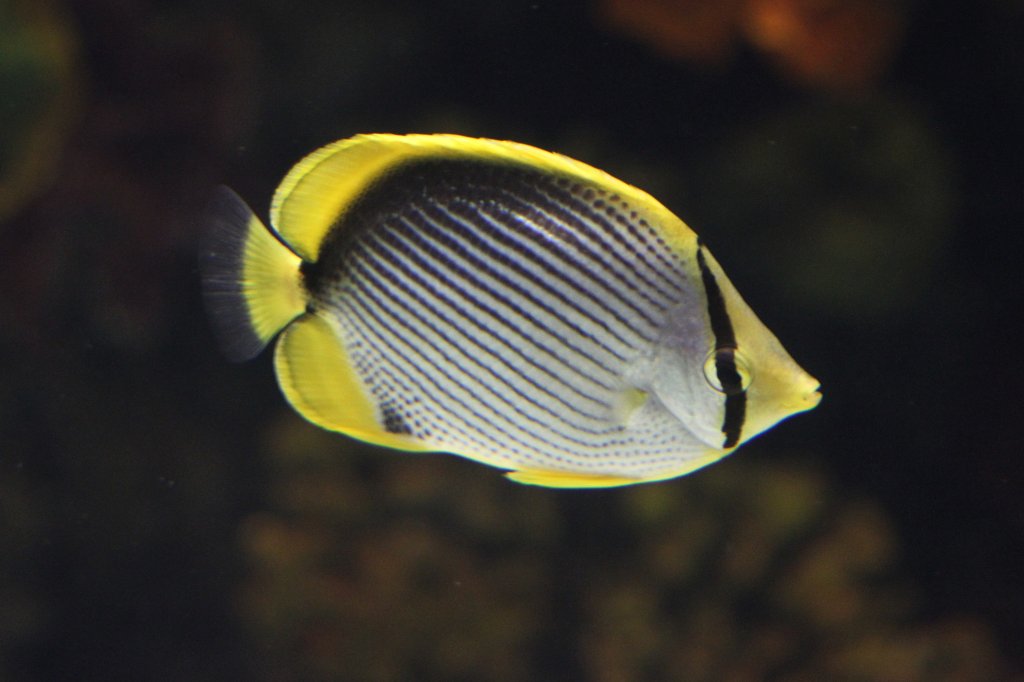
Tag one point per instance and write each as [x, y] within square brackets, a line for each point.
[251, 280]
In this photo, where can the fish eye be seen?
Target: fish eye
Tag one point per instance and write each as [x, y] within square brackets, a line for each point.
[727, 371]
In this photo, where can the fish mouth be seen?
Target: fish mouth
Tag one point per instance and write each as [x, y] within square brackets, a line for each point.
[807, 400]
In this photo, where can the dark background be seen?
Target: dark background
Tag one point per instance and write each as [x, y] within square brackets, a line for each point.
[855, 166]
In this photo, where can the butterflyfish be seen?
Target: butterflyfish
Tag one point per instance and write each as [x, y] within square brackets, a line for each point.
[499, 302]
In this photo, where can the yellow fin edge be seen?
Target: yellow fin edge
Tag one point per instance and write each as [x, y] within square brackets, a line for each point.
[318, 189]
[562, 479]
[566, 479]
[317, 378]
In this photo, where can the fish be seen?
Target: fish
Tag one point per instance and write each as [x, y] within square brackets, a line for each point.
[499, 302]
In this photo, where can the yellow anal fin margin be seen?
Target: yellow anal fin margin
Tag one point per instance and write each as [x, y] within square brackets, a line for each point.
[318, 379]
[565, 479]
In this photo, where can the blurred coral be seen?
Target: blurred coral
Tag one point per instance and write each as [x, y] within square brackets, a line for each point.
[751, 573]
[385, 567]
[393, 568]
[829, 44]
[695, 30]
[839, 45]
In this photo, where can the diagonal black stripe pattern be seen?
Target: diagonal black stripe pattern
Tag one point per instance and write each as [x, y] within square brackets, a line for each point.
[508, 301]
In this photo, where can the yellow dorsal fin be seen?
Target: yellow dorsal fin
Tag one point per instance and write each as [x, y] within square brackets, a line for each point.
[564, 479]
[318, 379]
[316, 192]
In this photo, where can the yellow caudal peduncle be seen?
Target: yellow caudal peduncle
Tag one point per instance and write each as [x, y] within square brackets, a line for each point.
[251, 280]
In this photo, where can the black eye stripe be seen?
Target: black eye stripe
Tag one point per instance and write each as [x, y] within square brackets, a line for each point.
[725, 357]
[728, 374]
[721, 325]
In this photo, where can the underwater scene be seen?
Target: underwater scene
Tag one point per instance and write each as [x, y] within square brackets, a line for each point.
[501, 358]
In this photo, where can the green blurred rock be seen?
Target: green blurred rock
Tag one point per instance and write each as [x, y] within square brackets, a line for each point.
[39, 84]
[839, 207]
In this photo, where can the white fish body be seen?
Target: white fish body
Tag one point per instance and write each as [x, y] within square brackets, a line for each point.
[502, 303]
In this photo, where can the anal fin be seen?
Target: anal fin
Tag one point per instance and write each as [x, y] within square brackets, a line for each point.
[565, 479]
[318, 379]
